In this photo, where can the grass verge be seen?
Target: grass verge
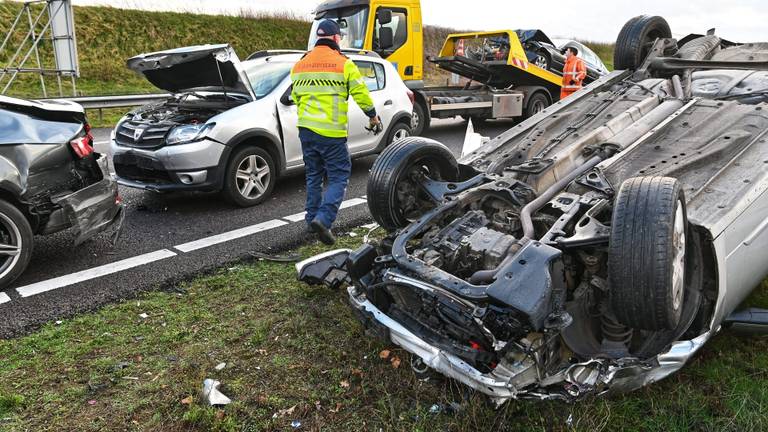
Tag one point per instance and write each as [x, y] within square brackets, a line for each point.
[296, 353]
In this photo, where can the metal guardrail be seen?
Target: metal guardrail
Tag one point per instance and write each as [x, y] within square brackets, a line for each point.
[101, 102]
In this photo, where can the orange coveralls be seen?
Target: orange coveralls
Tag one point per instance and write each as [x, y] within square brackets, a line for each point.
[574, 73]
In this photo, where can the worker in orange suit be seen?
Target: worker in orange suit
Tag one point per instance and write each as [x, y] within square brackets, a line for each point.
[574, 72]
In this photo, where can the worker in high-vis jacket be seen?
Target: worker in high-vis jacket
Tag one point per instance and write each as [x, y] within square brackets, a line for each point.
[323, 80]
[574, 72]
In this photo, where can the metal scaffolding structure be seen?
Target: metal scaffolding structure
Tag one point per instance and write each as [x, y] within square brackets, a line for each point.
[55, 23]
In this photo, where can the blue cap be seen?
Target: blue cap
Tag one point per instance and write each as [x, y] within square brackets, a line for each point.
[328, 27]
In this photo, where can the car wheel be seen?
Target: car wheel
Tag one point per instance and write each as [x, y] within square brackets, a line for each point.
[399, 131]
[646, 253]
[542, 60]
[16, 243]
[250, 176]
[419, 119]
[636, 39]
[536, 103]
[394, 194]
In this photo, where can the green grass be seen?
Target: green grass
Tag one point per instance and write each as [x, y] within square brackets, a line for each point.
[106, 37]
[295, 352]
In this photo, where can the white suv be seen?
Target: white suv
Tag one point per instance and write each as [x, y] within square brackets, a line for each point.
[230, 126]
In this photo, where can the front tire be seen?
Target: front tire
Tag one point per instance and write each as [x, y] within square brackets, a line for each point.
[536, 103]
[646, 254]
[394, 195]
[250, 176]
[16, 243]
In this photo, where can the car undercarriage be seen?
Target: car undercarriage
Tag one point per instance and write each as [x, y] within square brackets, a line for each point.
[584, 250]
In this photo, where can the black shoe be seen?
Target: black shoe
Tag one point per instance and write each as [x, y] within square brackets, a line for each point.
[325, 235]
[309, 230]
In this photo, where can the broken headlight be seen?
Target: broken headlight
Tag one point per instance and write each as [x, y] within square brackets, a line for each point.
[189, 133]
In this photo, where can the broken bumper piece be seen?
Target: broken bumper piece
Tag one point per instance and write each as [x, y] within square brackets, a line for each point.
[93, 209]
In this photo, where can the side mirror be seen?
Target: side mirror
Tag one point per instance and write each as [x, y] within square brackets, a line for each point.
[286, 98]
[384, 16]
[386, 38]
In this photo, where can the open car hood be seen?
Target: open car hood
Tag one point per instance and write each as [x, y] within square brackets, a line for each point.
[193, 67]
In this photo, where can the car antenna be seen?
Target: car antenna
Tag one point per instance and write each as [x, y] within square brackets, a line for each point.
[221, 78]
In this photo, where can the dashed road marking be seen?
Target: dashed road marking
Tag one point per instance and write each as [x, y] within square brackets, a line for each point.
[92, 273]
[139, 260]
[230, 235]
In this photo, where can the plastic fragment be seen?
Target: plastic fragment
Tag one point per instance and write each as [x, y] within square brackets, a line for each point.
[212, 395]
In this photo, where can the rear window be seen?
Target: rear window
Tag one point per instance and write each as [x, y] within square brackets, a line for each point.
[20, 128]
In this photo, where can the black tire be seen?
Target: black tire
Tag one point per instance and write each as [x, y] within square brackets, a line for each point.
[399, 131]
[699, 48]
[636, 38]
[536, 103]
[420, 119]
[235, 187]
[646, 254]
[16, 236]
[391, 173]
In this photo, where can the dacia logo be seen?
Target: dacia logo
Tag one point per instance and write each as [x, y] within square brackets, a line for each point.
[137, 133]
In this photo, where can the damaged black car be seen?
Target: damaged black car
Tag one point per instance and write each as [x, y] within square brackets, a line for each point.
[52, 179]
[594, 247]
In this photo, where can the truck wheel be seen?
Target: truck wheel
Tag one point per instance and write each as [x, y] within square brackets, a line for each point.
[419, 119]
[394, 194]
[16, 243]
[250, 176]
[536, 103]
[646, 253]
[636, 38]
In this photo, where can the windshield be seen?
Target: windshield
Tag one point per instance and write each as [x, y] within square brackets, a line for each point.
[265, 76]
[353, 22]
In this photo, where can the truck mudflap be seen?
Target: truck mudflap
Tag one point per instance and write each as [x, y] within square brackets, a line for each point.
[95, 208]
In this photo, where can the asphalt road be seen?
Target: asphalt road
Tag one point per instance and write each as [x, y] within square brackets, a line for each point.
[161, 242]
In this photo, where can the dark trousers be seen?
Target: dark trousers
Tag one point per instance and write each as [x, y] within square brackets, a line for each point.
[324, 157]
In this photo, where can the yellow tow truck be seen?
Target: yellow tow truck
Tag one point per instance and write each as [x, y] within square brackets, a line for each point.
[500, 81]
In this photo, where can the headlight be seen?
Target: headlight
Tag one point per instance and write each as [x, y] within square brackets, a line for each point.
[188, 133]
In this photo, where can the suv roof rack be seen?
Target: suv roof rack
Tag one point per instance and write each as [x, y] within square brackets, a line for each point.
[265, 53]
[360, 52]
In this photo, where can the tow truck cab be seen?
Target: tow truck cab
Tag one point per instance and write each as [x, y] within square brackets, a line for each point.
[391, 28]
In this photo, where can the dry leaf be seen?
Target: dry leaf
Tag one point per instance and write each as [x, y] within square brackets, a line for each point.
[262, 399]
[219, 414]
[357, 372]
[395, 362]
[284, 412]
[318, 406]
[187, 400]
[384, 354]
[344, 383]
[338, 407]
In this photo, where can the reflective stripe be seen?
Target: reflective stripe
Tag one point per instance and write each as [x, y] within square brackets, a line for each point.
[305, 122]
[571, 87]
[319, 89]
[570, 73]
[318, 75]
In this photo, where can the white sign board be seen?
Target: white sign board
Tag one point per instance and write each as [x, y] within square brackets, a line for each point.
[63, 35]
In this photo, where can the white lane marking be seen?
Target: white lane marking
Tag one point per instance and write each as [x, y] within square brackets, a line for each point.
[352, 202]
[4, 298]
[230, 235]
[92, 273]
[298, 217]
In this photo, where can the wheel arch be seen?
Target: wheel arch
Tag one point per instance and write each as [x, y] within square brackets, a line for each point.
[259, 138]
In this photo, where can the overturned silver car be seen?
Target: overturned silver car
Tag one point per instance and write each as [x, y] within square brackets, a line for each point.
[594, 247]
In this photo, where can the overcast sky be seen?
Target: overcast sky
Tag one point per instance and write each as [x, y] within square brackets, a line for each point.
[737, 20]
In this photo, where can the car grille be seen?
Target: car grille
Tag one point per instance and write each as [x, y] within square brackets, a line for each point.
[151, 137]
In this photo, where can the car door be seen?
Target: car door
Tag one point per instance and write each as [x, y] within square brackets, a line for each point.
[374, 76]
[289, 119]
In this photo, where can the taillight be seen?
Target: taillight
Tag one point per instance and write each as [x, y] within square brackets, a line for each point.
[83, 146]
[411, 96]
